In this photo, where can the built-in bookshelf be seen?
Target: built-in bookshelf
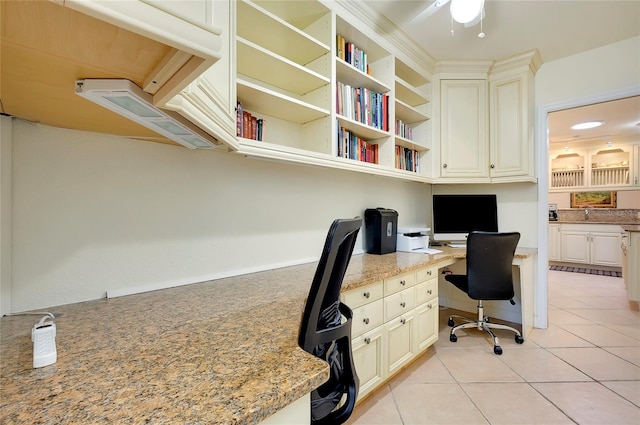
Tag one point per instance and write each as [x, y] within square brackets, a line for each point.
[284, 70]
[329, 91]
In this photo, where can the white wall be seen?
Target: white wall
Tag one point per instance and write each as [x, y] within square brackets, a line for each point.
[96, 213]
[5, 215]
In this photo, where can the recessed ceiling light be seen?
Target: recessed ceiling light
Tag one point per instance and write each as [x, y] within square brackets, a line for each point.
[587, 125]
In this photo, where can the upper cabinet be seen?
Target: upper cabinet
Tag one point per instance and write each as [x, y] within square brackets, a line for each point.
[595, 165]
[486, 120]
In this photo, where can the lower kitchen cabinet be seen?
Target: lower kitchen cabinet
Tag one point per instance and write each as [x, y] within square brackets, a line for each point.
[555, 247]
[393, 322]
[593, 244]
[631, 264]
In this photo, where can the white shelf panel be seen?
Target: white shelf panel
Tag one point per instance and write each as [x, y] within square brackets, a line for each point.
[362, 130]
[409, 75]
[270, 102]
[408, 94]
[351, 75]
[262, 65]
[406, 143]
[275, 34]
[409, 114]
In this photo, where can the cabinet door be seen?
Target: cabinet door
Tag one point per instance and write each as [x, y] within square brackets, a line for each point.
[400, 346]
[635, 162]
[605, 249]
[631, 272]
[575, 247]
[511, 132]
[464, 141]
[368, 360]
[426, 325]
[554, 239]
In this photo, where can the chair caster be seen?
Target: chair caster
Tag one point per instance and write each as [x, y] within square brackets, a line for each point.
[450, 323]
[497, 349]
[453, 338]
[519, 339]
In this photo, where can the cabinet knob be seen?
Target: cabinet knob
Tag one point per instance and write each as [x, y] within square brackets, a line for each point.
[444, 165]
[366, 294]
[366, 320]
[403, 321]
[429, 272]
[367, 340]
[429, 306]
[402, 282]
[429, 291]
[492, 166]
[403, 304]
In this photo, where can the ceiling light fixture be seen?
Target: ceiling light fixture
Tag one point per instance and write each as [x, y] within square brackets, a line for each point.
[465, 11]
[587, 125]
[127, 99]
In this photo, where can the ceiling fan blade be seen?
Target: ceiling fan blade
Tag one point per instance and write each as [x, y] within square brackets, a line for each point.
[426, 13]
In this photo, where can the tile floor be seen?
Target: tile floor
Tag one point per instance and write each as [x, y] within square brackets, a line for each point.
[583, 369]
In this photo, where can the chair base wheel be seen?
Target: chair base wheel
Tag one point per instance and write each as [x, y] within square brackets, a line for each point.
[497, 349]
[453, 338]
[519, 339]
[450, 323]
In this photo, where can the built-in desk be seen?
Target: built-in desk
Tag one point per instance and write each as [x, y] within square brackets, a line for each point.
[223, 351]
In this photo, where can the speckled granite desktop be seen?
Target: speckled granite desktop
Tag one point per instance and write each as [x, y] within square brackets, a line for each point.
[219, 352]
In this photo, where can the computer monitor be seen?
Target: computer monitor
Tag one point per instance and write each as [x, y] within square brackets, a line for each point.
[454, 216]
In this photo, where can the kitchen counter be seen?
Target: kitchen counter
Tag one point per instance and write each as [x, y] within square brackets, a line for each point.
[222, 351]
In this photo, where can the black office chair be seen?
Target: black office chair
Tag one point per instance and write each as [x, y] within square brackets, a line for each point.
[325, 331]
[489, 277]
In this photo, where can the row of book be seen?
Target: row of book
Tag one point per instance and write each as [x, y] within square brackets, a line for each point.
[351, 54]
[248, 126]
[353, 147]
[403, 130]
[407, 159]
[363, 105]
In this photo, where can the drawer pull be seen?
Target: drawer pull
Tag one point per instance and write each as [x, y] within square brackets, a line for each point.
[403, 321]
[367, 294]
[367, 340]
[366, 320]
[403, 304]
[429, 306]
[430, 291]
[402, 282]
[429, 272]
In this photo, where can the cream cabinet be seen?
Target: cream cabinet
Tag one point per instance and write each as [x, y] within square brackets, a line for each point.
[486, 124]
[554, 241]
[393, 321]
[591, 244]
[594, 166]
[631, 264]
[464, 133]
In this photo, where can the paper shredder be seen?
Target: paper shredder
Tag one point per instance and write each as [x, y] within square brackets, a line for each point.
[381, 228]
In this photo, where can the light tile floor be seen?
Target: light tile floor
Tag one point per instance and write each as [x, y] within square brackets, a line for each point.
[583, 369]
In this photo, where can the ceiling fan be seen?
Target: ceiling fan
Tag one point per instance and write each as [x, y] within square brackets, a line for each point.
[467, 12]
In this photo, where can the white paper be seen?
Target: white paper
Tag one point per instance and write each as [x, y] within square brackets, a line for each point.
[426, 251]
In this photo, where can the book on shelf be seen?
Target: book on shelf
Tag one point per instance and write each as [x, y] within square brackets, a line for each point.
[407, 159]
[351, 146]
[352, 54]
[248, 126]
[363, 105]
[403, 130]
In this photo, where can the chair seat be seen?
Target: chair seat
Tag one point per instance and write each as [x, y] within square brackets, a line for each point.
[460, 281]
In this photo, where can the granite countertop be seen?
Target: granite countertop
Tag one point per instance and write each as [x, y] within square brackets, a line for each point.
[222, 352]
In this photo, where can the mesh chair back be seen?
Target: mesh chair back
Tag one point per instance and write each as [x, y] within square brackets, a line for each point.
[489, 261]
[325, 331]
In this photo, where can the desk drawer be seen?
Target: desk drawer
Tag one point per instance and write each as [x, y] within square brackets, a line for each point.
[367, 317]
[426, 290]
[399, 283]
[363, 295]
[399, 303]
[426, 274]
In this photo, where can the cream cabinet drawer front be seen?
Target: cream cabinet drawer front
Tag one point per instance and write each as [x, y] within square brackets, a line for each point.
[426, 290]
[361, 296]
[426, 274]
[400, 303]
[399, 283]
[367, 317]
[399, 343]
[367, 358]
